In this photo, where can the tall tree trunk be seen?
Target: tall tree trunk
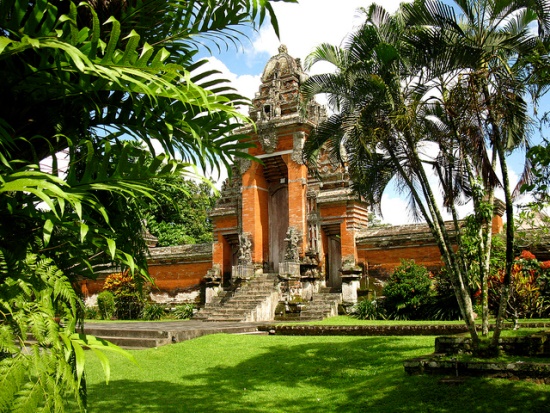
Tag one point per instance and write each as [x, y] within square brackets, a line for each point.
[507, 282]
[498, 145]
[437, 225]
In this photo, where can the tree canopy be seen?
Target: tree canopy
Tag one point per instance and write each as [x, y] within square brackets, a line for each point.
[180, 214]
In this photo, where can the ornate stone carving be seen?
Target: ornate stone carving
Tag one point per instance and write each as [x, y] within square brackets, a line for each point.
[267, 135]
[292, 252]
[244, 165]
[245, 249]
[299, 138]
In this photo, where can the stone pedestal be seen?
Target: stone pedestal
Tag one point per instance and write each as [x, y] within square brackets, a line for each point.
[212, 282]
[351, 276]
[310, 284]
[242, 272]
[289, 280]
[289, 269]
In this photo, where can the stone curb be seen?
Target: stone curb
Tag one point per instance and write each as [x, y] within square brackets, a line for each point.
[398, 330]
[511, 370]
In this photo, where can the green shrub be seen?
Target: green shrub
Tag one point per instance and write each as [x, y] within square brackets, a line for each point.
[152, 311]
[442, 305]
[408, 289]
[91, 313]
[368, 310]
[530, 289]
[106, 304]
[184, 312]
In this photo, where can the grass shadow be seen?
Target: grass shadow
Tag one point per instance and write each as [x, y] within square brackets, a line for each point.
[223, 373]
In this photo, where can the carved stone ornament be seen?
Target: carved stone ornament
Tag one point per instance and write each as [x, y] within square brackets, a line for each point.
[292, 253]
[245, 249]
[299, 139]
[244, 165]
[268, 139]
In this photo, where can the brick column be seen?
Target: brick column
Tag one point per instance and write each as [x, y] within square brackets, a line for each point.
[347, 237]
[255, 197]
[221, 249]
[297, 197]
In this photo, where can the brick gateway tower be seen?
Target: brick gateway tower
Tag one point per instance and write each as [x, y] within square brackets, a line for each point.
[291, 235]
[275, 218]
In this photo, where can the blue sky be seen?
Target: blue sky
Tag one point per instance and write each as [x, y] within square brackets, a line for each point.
[302, 27]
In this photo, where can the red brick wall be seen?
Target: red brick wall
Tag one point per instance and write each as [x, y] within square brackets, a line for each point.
[172, 278]
[386, 259]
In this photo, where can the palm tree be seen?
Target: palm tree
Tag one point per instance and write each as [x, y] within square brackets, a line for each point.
[380, 120]
[482, 54]
[424, 76]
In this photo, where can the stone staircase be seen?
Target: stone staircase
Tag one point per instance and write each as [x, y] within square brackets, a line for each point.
[133, 339]
[140, 335]
[252, 300]
[324, 304]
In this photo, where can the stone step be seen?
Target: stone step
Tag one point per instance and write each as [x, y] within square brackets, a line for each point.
[136, 343]
[233, 310]
[244, 303]
[237, 307]
[227, 319]
[249, 296]
[327, 297]
[119, 332]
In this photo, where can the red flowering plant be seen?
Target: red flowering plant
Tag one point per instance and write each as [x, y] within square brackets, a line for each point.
[129, 300]
[530, 289]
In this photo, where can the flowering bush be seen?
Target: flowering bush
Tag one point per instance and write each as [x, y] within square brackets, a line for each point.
[129, 300]
[530, 292]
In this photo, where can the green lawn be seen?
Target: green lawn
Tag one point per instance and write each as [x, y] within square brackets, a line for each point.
[247, 373]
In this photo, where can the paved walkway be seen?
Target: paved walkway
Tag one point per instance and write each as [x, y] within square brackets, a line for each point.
[154, 333]
[183, 325]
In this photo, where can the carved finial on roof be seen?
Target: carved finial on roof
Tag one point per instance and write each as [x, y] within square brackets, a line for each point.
[283, 49]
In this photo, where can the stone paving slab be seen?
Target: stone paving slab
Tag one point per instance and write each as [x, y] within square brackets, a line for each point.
[155, 333]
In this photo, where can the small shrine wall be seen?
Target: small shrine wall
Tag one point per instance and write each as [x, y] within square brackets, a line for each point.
[178, 272]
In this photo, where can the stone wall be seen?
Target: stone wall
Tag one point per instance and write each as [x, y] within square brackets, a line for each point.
[539, 372]
[532, 345]
[365, 330]
[177, 271]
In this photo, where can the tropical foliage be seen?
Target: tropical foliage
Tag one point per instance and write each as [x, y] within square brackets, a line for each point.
[106, 305]
[129, 298]
[408, 289]
[180, 214]
[530, 291]
[184, 311]
[78, 81]
[435, 87]
[367, 309]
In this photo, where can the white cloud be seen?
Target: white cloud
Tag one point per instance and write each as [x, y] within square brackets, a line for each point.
[309, 23]
[395, 210]
[246, 85]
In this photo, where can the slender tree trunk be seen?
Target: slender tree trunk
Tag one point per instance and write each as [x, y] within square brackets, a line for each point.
[498, 146]
[506, 285]
[443, 240]
[486, 265]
